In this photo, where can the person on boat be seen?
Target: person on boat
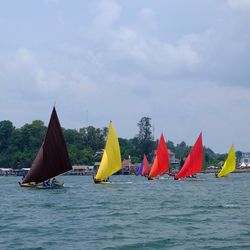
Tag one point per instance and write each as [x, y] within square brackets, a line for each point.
[54, 181]
[46, 183]
[191, 176]
[172, 173]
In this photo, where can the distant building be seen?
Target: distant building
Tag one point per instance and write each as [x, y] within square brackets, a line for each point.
[125, 166]
[81, 170]
[99, 153]
[171, 155]
[172, 158]
[6, 171]
[128, 167]
[245, 160]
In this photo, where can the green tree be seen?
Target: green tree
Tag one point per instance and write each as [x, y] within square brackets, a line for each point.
[144, 140]
[128, 148]
[171, 146]
[93, 138]
[6, 132]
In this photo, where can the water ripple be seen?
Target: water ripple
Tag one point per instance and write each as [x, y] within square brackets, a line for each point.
[131, 213]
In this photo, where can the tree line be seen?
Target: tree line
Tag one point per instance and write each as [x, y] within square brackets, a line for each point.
[18, 146]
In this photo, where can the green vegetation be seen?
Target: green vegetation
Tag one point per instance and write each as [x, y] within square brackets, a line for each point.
[18, 146]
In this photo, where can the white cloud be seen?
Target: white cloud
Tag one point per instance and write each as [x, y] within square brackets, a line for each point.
[23, 58]
[25, 75]
[147, 16]
[131, 60]
[108, 11]
[52, 1]
[239, 4]
[122, 48]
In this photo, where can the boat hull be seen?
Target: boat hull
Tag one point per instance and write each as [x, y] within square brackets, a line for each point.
[102, 182]
[41, 186]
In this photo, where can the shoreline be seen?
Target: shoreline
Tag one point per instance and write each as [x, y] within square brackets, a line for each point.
[238, 170]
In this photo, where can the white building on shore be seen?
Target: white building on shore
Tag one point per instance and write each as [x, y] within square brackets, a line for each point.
[245, 160]
[81, 170]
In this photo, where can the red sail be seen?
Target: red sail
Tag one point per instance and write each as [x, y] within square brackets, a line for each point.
[161, 162]
[52, 159]
[193, 163]
[146, 167]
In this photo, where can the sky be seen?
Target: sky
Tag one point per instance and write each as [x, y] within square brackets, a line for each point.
[184, 64]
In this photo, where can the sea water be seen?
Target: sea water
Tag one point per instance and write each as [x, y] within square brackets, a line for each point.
[130, 213]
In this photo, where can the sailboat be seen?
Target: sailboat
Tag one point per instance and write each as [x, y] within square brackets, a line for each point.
[230, 163]
[51, 160]
[161, 162]
[111, 159]
[193, 163]
[146, 167]
[139, 172]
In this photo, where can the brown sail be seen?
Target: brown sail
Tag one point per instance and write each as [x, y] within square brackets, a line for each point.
[52, 158]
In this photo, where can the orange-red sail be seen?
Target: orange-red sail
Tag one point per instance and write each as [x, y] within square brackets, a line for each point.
[146, 166]
[161, 162]
[193, 163]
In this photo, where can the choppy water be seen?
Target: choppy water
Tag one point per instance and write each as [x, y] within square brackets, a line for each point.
[132, 213]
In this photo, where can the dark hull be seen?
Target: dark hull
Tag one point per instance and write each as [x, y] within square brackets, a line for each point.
[41, 186]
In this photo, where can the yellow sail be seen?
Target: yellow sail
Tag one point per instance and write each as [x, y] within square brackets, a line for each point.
[111, 159]
[230, 163]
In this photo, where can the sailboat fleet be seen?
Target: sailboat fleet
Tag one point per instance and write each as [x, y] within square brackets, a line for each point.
[52, 160]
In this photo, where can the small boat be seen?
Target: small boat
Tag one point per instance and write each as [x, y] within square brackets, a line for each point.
[111, 159]
[139, 172]
[193, 163]
[161, 162]
[51, 160]
[229, 165]
[146, 167]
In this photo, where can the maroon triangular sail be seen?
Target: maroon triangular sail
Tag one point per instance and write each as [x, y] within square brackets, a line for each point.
[193, 163]
[52, 158]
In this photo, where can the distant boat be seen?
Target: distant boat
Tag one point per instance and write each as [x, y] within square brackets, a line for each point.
[193, 163]
[146, 167]
[111, 159]
[230, 163]
[161, 162]
[51, 160]
[139, 172]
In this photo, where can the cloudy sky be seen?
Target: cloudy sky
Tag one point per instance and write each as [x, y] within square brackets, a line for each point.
[185, 64]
